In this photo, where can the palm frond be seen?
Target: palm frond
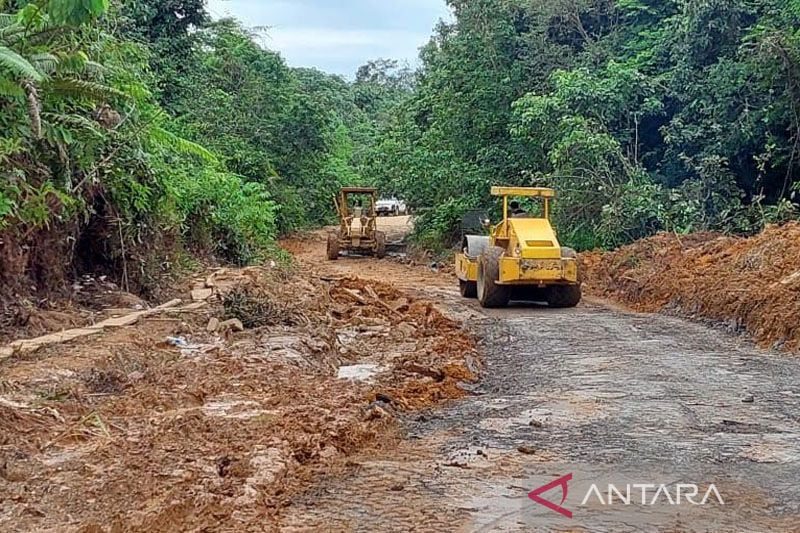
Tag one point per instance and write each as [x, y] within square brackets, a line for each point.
[18, 65]
[9, 147]
[73, 121]
[44, 34]
[34, 107]
[45, 63]
[178, 144]
[7, 20]
[84, 89]
[9, 27]
[10, 89]
[95, 69]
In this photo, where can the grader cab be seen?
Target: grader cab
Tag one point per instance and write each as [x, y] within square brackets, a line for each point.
[522, 258]
[358, 224]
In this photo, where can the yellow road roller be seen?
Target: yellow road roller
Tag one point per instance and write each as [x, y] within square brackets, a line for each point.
[521, 259]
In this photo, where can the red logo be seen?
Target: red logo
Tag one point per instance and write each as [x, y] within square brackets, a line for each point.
[562, 482]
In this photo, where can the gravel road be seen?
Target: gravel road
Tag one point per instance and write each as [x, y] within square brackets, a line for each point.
[608, 396]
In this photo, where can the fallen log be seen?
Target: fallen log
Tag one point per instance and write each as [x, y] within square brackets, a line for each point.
[28, 346]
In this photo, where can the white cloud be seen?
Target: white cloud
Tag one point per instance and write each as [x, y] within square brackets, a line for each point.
[325, 38]
[338, 36]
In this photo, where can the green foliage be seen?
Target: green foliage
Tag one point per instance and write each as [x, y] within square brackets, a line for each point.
[646, 115]
[433, 224]
[159, 135]
[17, 65]
[137, 129]
[215, 207]
[289, 130]
[7, 207]
[76, 12]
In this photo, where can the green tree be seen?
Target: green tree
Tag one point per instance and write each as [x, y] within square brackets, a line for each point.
[646, 115]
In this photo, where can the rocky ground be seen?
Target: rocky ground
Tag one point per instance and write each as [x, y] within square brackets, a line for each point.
[213, 416]
[349, 404]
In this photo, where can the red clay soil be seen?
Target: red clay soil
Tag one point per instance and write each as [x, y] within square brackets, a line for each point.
[133, 431]
[749, 284]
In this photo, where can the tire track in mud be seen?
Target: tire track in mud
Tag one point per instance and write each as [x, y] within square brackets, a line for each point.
[607, 395]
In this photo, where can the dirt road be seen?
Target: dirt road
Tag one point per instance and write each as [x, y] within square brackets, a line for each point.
[212, 416]
[608, 396]
[290, 423]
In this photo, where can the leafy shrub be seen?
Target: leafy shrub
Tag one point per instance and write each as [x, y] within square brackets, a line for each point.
[440, 227]
[237, 219]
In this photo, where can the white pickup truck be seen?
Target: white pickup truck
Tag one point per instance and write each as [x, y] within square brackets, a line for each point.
[391, 207]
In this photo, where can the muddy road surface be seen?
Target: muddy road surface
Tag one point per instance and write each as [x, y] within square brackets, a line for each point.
[345, 399]
[696, 430]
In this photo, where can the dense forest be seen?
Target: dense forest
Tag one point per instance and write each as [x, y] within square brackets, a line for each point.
[646, 115]
[136, 134]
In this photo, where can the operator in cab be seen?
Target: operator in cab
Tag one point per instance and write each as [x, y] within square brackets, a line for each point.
[515, 210]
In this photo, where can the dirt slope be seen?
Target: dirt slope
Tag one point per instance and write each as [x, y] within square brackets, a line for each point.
[748, 284]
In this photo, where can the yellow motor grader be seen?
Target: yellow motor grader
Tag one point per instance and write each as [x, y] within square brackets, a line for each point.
[521, 259]
[358, 224]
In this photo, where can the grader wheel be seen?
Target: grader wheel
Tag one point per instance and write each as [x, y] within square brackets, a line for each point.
[380, 244]
[333, 247]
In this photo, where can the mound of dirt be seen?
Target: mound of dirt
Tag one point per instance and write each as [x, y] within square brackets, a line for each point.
[748, 284]
[174, 425]
[88, 300]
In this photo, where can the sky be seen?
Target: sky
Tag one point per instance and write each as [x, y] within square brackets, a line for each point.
[338, 36]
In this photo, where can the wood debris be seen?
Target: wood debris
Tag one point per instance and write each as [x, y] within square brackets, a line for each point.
[28, 346]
